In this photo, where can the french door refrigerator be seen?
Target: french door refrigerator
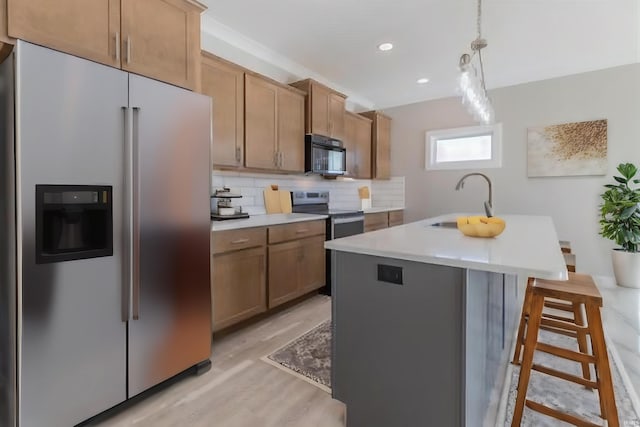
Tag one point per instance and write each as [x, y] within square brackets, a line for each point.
[104, 236]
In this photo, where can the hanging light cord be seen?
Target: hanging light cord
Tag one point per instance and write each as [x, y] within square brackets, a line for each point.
[479, 25]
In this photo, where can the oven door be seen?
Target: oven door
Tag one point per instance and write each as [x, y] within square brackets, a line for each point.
[343, 227]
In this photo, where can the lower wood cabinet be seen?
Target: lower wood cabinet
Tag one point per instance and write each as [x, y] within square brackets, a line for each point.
[376, 221]
[238, 286]
[251, 273]
[379, 220]
[396, 218]
[295, 268]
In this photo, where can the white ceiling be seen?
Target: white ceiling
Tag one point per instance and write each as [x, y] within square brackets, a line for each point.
[335, 41]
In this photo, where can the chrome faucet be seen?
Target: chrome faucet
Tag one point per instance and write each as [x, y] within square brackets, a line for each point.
[488, 205]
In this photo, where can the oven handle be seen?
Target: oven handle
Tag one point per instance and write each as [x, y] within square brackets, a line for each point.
[347, 219]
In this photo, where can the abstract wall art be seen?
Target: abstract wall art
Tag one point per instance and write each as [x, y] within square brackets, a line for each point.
[569, 149]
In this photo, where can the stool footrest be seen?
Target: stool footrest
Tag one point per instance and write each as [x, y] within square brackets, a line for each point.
[559, 331]
[564, 306]
[565, 354]
[564, 376]
[563, 325]
[543, 409]
[560, 318]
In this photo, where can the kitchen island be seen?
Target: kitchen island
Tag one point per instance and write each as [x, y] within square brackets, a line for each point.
[424, 318]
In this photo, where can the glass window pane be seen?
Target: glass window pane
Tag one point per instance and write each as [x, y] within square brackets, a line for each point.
[467, 148]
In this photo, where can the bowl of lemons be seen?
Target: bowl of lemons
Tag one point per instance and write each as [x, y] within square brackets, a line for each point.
[480, 226]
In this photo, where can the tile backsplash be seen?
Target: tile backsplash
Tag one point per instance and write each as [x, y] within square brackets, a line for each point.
[343, 192]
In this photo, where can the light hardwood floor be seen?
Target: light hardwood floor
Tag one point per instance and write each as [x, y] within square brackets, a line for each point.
[241, 390]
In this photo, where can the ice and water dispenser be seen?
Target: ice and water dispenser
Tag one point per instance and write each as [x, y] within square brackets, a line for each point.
[73, 222]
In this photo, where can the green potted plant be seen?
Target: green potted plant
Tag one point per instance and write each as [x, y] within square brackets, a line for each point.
[620, 222]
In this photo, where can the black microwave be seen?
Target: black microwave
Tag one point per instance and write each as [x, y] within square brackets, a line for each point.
[324, 156]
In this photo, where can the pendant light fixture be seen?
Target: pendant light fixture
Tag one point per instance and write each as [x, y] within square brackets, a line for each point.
[471, 85]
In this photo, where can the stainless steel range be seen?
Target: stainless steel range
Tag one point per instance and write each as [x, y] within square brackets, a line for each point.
[341, 223]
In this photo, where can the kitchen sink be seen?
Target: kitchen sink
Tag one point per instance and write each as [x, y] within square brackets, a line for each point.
[445, 224]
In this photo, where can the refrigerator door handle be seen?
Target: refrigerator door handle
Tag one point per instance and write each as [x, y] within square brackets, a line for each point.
[135, 181]
[126, 215]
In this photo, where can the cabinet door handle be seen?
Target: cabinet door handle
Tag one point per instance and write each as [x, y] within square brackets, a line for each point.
[302, 230]
[239, 241]
[281, 159]
[117, 46]
[275, 158]
[238, 154]
[128, 46]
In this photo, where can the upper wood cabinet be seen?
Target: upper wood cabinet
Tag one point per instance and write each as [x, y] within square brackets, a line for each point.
[87, 28]
[161, 39]
[357, 141]
[380, 144]
[291, 130]
[324, 111]
[224, 83]
[154, 38]
[274, 132]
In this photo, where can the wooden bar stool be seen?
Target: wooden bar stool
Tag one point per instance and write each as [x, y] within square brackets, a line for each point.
[574, 308]
[584, 291]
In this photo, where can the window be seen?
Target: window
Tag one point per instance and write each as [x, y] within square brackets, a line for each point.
[473, 147]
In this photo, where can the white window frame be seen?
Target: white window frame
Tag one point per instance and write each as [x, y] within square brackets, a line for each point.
[433, 136]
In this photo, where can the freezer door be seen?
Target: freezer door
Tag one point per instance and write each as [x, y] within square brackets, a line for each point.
[170, 329]
[69, 131]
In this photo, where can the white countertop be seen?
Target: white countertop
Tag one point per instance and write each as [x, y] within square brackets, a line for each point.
[528, 246]
[263, 221]
[376, 210]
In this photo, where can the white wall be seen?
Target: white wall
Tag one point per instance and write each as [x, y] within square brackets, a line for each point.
[343, 194]
[613, 94]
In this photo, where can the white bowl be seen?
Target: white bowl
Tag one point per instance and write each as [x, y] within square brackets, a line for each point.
[226, 211]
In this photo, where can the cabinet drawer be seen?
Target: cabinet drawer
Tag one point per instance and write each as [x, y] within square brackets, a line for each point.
[396, 218]
[233, 240]
[376, 220]
[297, 230]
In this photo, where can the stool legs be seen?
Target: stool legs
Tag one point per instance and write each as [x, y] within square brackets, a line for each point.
[603, 372]
[533, 326]
[600, 358]
[581, 336]
[526, 309]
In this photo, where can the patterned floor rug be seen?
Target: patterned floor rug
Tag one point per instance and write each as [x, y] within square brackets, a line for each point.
[309, 357]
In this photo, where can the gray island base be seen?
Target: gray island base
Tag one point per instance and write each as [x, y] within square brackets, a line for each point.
[424, 319]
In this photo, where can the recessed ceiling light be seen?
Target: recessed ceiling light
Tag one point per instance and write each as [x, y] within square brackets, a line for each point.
[385, 46]
[423, 81]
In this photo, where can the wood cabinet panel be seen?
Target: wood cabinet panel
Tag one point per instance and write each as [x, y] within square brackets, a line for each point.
[336, 116]
[320, 122]
[260, 123]
[86, 28]
[376, 221]
[224, 83]
[357, 142]
[296, 230]
[238, 286]
[313, 262]
[234, 240]
[284, 272]
[324, 109]
[380, 145]
[291, 130]
[161, 39]
[396, 218]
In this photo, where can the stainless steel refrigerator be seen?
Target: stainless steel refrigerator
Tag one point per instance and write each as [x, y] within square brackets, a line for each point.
[104, 236]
